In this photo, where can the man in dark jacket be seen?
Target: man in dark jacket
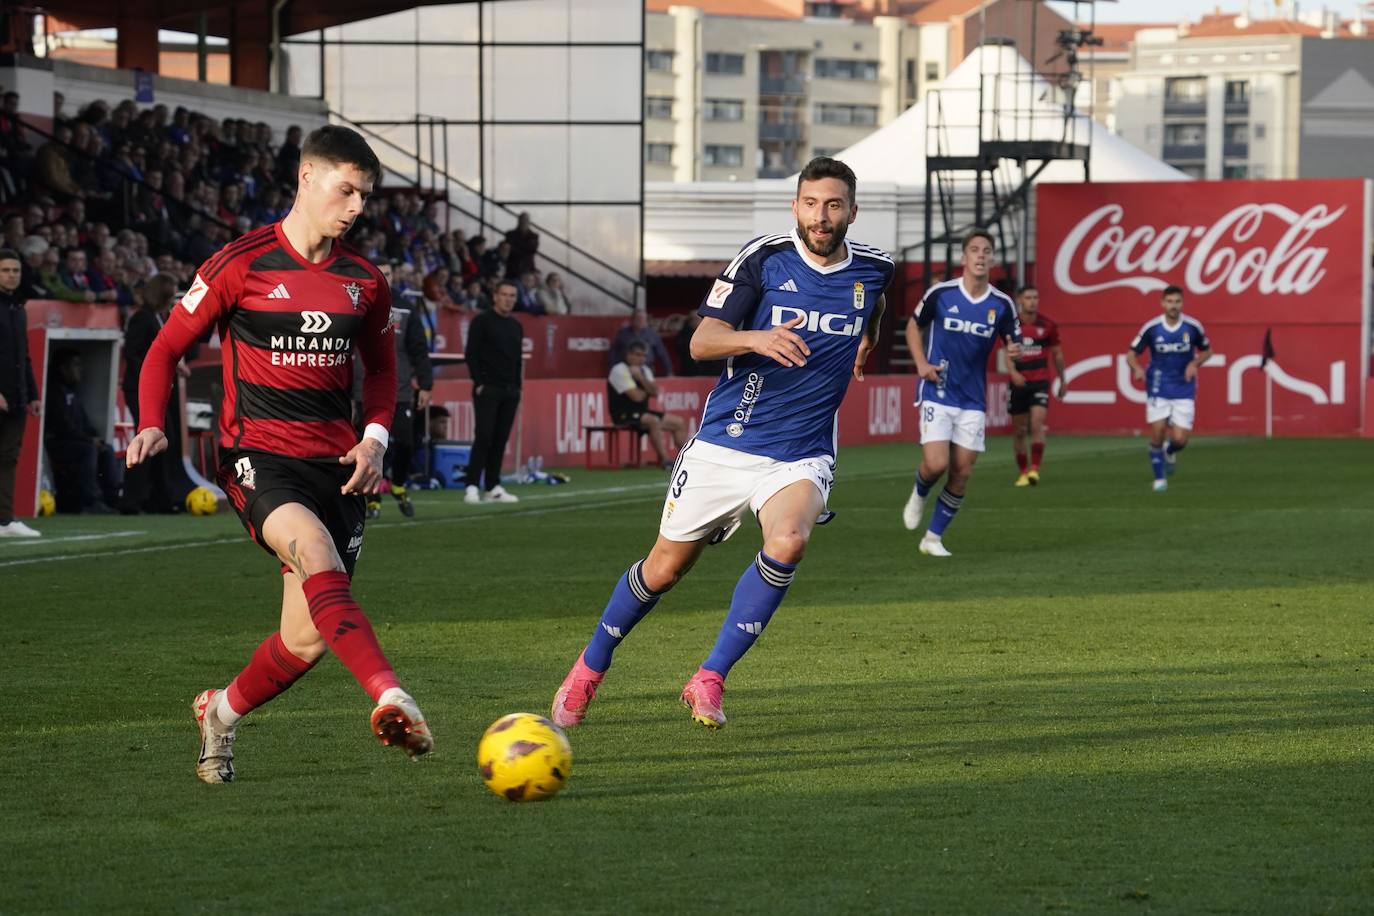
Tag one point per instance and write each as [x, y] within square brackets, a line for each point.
[494, 352]
[414, 380]
[83, 464]
[18, 389]
[524, 245]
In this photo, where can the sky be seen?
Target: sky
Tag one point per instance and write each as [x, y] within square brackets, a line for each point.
[1178, 10]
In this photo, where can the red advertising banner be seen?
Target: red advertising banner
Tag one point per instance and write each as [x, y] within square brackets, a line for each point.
[1289, 257]
[554, 414]
[567, 346]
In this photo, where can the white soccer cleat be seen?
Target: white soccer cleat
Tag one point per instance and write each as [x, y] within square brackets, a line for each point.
[933, 547]
[1160, 486]
[499, 494]
[398, 722]
[17, 529]
[912, 511]
[216, 763]
[472, 496]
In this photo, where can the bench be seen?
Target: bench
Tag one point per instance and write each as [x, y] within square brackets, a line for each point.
[610, 459]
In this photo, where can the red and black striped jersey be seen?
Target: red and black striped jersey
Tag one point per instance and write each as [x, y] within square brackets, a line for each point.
[287, 328]
[1038, 337]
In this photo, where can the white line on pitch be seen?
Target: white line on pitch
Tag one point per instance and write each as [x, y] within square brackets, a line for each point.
[39, 542]
[458, 519]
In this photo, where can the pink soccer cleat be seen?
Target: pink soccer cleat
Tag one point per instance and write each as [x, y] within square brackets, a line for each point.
[702, 696]
[575, 695]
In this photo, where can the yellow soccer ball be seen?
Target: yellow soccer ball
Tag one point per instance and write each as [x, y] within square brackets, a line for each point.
[46, 504]
[524, 757]
[201, 501]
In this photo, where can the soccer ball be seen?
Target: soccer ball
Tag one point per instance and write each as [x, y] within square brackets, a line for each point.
[201, 501]
[524, 757]
[46, 504]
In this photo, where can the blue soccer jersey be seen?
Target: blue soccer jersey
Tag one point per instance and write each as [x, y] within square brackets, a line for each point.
[959, 333]
[1171, 350]
[760, 406]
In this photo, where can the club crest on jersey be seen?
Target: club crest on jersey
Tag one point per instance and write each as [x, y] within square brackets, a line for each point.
[858, 295]
[355, 294]
[992, 316]
[247, 474]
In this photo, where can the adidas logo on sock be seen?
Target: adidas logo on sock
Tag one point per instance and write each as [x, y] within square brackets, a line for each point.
[614, 631]
[753, 629]
[279, 293]
[789, 287]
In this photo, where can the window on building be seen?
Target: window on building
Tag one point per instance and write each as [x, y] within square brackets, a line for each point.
[659, 61]
[1192, 171]
[825, 10]
[1257, 171]
[724, 155]
[1259, 131]
[1187, 90]
[1237, 91]
[831, 151]
[730, 64]
[723, 110]
[1235, 171]
[832, 113]
[661, 153]
[932, 72]
[1185, 134]
[843, 69]
[1237, 134]
[658, 107]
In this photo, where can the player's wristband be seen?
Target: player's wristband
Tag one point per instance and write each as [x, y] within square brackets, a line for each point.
[377, 431]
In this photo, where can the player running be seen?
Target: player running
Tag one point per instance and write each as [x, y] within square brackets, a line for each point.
[950, 336]
[291, 302]
[1030, 383]
[796, 315]
[1178, 348]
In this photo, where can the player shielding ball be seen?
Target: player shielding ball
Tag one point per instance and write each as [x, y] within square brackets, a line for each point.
[796, 315]
[291, 303]
[1030, 384]
[950, 335]
[1178, 347]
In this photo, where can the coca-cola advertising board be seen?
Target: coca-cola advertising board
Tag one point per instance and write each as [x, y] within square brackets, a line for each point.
[1290, 258]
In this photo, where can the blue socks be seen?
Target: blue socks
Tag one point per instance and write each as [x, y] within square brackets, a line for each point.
[630, 601]
[1157, 462]
[945, 509]
[757, 596]
[923, 486]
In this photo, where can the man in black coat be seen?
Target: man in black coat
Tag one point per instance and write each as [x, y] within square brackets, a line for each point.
[18, 389]
[414, 381]
[494, 353]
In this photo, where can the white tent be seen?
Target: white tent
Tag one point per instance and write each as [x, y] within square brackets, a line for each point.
[706, 220]
[1026, 109]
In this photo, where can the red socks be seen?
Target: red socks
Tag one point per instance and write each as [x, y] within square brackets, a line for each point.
[347, 631]
[1021, 461]
[1037, 452]
[271, 670]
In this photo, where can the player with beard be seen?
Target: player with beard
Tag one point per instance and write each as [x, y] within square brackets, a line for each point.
[291, 302]
[951, 334]
[796, 316]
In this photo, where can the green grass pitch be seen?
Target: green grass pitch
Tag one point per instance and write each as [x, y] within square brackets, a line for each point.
[1109, 701]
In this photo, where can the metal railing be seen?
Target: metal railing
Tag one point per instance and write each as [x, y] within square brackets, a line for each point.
[442, 184]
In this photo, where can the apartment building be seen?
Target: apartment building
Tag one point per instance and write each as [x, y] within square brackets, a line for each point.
[1228, 97]
[743, 89]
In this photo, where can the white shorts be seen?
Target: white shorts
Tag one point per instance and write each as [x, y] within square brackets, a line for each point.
[940, 423]
[1178, 411]
[712, 487]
